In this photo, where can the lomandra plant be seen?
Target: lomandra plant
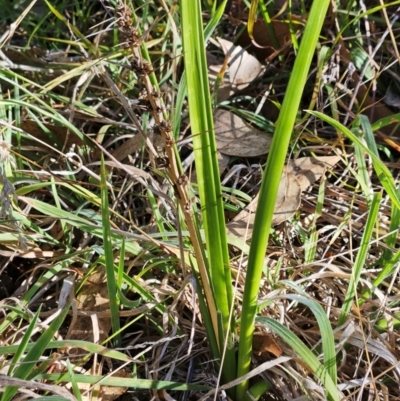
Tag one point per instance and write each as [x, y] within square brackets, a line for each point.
[210, 197]
[224, 317]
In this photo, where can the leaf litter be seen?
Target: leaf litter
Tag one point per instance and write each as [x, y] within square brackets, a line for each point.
[341, 221]
[297, 176]
[235, 137]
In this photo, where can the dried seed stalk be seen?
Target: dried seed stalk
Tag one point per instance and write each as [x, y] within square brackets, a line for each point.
[143, 69]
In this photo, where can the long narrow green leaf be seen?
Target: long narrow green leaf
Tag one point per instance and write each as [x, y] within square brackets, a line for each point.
[125, 382]
[49, 112]
[388, 269]
[77, 221]
[362, 170]
[25, 339]
[109, 256]
[381, 170]
[305, 354]
[362, 254]
[327, 338]
[74, 384]
[207, 171]
[35, 353]
[270, 184]
[85, 345]
[48, 275]
[182, 91]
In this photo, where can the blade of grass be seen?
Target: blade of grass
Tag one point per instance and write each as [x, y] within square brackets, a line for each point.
[48, 275]
[48, 112]
[389, 267]
[84, 345]
[391, 239]
[305, 354]
[362, 255]
[325, 327]
[74, 383]
[125, 382]
[362, 170]
[24, 342]
[71, 27]
[209, 29]
[77, 221]
[270, 184]
[381, 170]
[310, 245]
[205, 153]
[109, 257]
[34, 354]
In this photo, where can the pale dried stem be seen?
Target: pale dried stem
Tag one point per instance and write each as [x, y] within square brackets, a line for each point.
[179, 181]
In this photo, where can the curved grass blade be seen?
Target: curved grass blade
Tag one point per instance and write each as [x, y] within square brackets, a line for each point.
[327, 337]
[22, 346]
[305, 354]
[84, 345]
[381, 170]
[35, 353]
[48, 275]
[74, 383]
[77, 221]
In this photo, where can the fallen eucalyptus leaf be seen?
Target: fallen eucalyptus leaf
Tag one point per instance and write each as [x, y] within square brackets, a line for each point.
[298, 175]
[287, 202]
[111, 393]
[264, 343]
[243, 67]
[263, 45]
[310, 169]
[237, 138]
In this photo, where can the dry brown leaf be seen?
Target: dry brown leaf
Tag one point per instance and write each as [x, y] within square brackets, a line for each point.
[123, 168]
[237, 138]
[265, 46]
[111, 393]
[287, 202]
[263, 343]
[310, 169]
[243, 67]
[133, 145]
[93, 297]
[129, 147]
[297, 176]
[288, 199]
